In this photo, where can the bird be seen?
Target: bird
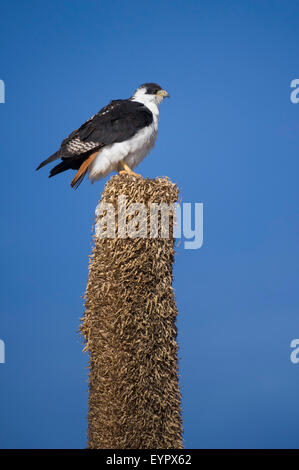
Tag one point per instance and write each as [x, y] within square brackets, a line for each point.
[117, 138]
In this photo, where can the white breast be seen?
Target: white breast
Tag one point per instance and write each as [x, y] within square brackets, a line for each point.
[131, 151]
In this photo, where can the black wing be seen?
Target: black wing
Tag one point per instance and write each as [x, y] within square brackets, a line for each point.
[116, 122]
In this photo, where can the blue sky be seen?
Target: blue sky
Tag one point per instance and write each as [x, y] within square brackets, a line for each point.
[228, 137]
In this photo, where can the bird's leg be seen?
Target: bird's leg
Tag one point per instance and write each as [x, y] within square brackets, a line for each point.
[126, 169]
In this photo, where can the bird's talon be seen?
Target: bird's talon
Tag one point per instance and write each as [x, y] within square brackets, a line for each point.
[125, 172]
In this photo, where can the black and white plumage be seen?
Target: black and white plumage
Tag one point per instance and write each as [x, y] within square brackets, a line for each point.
[117, 138]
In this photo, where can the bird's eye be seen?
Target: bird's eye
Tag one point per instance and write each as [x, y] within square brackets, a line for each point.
[152, 91]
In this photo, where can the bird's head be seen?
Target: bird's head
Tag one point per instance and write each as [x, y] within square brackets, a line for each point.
[150, 93]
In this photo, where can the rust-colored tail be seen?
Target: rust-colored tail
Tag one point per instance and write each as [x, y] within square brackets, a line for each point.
[83, 170]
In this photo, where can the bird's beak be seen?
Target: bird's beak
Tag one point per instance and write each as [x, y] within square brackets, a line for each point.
[163, 93]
